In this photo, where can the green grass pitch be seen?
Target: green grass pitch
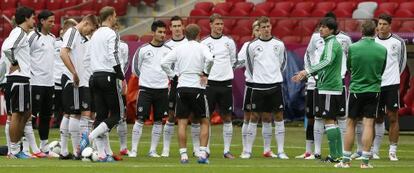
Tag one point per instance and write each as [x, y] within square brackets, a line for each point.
[294, 145]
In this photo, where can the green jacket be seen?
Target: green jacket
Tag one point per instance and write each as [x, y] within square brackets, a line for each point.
[329, 68]
[366, 62]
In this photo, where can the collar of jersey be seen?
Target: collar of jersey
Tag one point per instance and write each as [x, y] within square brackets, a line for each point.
[178, 39]
[385, 38]
[155, 45]
[216, 37]
[329, 37]
[266, 40]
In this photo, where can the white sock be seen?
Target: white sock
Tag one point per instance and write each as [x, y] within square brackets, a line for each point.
[64, 135]
[155, 135]
[342, 129]
[251, 130]
[100, 130]
[203, 152]
[318, 130]
[280, 135]
[28, 133]
[209, 139]
[14, 148]
[100, 146]
[25, 146]
[393, 148]
[7, 131]
[84, 124]
[379, 134]
[136, 135]
[183, 153]
[195, 135]
[358, 135]
[75, 135]
[44, 145]
[106, 144]
[309, 144]
[122, 133]
[227, 135]
[168, 133]
[244, 133]
[267, 136]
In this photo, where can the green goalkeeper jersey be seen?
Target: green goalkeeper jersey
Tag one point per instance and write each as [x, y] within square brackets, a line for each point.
[329, 68]
[366, 62]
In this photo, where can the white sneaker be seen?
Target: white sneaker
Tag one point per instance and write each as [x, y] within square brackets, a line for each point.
[366, 166]
[132, 153]
[375, 156]
[342, 165]
[165, 154]
[302, 156]
[311, 157]
[358, 158]
[153, 154]
[355, 156]
[269, 154]
[246, 155]
[53, 154]
[393, 156]
[282, 156]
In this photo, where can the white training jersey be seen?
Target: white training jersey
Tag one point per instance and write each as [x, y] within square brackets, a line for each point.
[4, 66]
[242, 56]
[174, 43]
[59, 66]
[147, 66]
[224, 51]
[266, 59]
[86, 65]
[124, 56]
[315, 49]
[73, 40]
[16, 48]
[42, 51]
[189, 65]
[396, 59]
[104, 50]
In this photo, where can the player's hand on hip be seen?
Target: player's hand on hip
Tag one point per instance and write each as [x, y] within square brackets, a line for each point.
[76, 80]
[13, 68]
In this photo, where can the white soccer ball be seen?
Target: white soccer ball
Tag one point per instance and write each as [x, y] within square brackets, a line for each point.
[95, 156]
[54, 146]
[87, 154]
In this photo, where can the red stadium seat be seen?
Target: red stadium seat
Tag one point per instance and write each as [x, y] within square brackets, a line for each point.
[225, 6]
[396, 24]
[58, 16]
[99, 4]
[238, 12]
[305, 40]
[404, 13]
[69, 3]
[281, 9]
[259, 12]
[284, 27]
[307, 6]
[9, 13]
[146, 38]
[243, 27]
[406, 6]
[266, 6]
[55, 30]
[120, 6]
[8, 4]
[227, 30]
[229, 23]
[204, 30]
[245, 39]
[345, 9]
[349, 25]
[206, 6]
[134, 3]
[197, 12]
[53, 4]
[72, 13]
[245, 6]
[87, 5]
[204, 23]
[35, 4]
[407, 26]
[291, 40]
[306, 27]
[131, 37]
[322, 8]
[299, 13]
[386, 7]
[235, 1]
[220, 11]
[7, 27]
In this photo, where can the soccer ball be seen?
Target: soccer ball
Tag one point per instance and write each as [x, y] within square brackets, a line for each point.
[88, 154]
[54, 146]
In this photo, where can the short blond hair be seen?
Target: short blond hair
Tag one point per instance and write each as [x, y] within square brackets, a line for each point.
[192, 31]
